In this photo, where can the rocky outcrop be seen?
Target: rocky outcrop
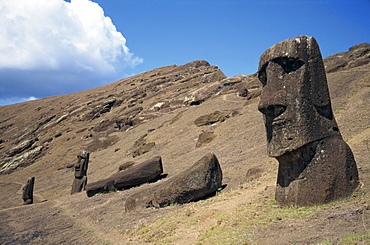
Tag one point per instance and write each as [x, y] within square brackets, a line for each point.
[53, 123]
[21, 161]
[205, 138]
[102, 108]
[21, 147]
[211, 118]
[141, 147]
[199, 181]
[357, 55]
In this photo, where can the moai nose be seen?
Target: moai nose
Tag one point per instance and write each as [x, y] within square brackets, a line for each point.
[272, 103]
[271, 110]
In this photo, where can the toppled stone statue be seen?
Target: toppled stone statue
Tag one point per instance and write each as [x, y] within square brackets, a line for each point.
[195, 183]
[81, 166]
[315, 164]
[27, 194]
[135, 175]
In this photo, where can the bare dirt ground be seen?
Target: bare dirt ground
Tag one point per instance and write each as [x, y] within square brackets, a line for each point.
[242, 213]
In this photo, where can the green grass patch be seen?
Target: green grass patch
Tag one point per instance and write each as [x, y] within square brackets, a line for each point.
[237, 227]
[357, 239]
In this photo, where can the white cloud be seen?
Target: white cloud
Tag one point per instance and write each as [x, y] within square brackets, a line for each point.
[63, 42]
[14, 100]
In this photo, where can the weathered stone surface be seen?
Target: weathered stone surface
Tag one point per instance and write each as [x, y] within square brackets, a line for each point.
[195, 183]
[315, 164]
[125, 166]
[242, 91]
[22, 160]
[316, 173]
[295, 98]
[146, 147]
[253, 173]
[136, 175]
[27, 194]
[53, 123]
[21, 147]
[105, 107]
[141, 147]
[81, 167]
[356, 56]
[205, 138]
[211, 118]
[253, 93]
[100, 142]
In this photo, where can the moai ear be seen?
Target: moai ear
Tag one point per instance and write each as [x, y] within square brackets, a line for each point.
[319, 87]
[316, 68]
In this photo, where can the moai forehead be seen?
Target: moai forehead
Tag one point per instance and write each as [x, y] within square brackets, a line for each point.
[295, 97]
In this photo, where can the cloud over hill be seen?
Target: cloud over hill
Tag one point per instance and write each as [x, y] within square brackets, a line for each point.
[47, 46]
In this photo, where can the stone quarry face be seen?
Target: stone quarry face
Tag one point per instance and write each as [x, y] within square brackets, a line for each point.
[315, 164]
[295, 98]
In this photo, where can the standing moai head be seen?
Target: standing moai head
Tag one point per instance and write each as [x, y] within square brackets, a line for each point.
[27, 194]
[82, 164]
[315, 164]
[295, 97]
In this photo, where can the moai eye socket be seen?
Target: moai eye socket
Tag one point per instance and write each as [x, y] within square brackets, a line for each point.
[262, 75]
[289, 64]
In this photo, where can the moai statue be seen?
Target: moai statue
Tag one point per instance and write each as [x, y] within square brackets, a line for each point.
[81, 166]
[27, 194]
[315, 164]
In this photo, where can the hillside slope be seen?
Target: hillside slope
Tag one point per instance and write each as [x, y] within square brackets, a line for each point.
[160, 107]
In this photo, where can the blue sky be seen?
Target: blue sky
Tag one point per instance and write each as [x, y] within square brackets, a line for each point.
[141, 35]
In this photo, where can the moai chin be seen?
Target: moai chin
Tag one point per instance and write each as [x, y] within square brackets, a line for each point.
[80, 167]
[315, 164]
[27, 194]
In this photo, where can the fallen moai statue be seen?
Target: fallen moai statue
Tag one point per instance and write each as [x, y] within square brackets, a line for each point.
[135, 175]
[81, 166]
[27, 194]
[315, 164]
[195, 183]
